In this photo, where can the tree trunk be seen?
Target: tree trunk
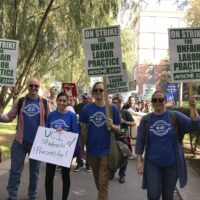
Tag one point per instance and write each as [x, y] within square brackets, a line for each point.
[4, 96]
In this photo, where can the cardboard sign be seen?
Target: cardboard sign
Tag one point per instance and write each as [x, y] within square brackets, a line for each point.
[119, 83]
[102, 47]
[70, 89]
[184, 51]
[8, 61]
[54, 147]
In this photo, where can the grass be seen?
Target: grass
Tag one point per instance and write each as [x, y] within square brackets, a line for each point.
[7, 132]
[8, 128]
[185, 103]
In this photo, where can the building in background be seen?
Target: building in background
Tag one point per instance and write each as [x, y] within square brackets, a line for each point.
[151, 28]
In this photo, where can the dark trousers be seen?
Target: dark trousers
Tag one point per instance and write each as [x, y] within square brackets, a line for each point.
[161, 180]
[50, 173]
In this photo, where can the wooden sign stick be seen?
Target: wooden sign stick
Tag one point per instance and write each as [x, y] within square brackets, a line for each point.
[108, 114]
[190, 90]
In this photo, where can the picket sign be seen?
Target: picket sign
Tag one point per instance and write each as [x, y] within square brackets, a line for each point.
[54, 147]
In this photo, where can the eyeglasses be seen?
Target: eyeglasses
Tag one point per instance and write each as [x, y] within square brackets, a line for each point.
[98, 90]
[115, 102]
[32, 85]
[158, 100]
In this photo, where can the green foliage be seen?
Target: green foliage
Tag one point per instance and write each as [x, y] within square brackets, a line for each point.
[7, 132]
[193, 14]
[8, 128]
[50, 35]
[193, 137]
[128, 53]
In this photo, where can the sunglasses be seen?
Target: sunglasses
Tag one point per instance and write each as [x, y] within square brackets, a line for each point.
[158, 100]
[115, 102]
[98, 90]
[32, 85]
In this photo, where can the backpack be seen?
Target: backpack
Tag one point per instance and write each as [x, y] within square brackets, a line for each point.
[21, 100]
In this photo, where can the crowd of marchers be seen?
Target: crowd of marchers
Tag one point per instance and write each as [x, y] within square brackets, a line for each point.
[158, 148]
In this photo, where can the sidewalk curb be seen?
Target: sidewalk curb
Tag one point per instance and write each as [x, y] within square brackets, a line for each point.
[4, 167]
[191, 191]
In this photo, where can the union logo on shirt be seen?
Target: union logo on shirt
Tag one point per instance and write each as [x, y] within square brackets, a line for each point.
[98, 119]
[60, 124]
[160, 128]
[31, 110]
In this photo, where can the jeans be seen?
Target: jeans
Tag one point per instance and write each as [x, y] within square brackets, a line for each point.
[100, 171]
[161, 180]
[18, 153]
[80, 153]
[50, 173]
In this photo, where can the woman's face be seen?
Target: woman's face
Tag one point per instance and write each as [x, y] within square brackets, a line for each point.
[158, 102]
[62, 102]
[131, 101]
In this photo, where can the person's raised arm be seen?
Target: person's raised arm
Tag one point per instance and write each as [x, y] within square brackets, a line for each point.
[193, 111]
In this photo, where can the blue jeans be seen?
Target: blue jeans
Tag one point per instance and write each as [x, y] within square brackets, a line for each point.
[79, 159]
[80, 152]
[18, 153]
[161, 180]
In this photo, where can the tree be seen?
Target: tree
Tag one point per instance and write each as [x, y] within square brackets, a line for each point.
[128, 53]
[193, 14]
[50, 35]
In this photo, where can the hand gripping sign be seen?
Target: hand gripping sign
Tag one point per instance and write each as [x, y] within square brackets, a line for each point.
[54, 147]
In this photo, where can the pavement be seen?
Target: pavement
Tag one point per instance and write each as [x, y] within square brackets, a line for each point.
[83, 187]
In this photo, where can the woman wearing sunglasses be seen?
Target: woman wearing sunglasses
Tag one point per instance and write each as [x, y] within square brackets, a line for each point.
[160, 134]
[60, 119]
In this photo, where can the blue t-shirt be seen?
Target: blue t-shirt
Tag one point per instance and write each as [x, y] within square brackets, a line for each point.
[66, 121]
[98, 138]
[31, 115]
[162, 139]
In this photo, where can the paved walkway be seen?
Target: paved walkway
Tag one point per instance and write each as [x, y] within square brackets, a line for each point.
[82, 185]
[83, 188]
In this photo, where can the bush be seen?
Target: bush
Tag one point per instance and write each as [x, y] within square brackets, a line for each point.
[194, 137]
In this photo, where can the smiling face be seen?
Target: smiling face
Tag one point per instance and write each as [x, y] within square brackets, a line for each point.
[33, 85]
[158, 102]
[62, 102]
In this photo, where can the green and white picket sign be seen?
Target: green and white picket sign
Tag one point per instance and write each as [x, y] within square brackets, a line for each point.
[8, 61]
[118, 83]
[184, 51]
[148, 90]
[102, 48]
